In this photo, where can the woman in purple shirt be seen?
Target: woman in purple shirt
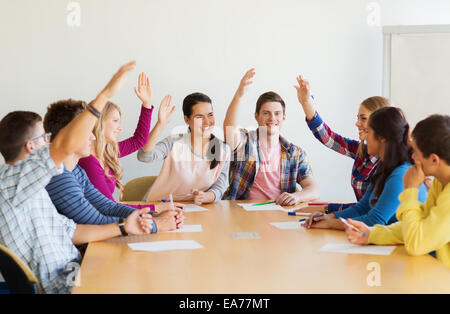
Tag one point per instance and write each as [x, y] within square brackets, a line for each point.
[102, 166]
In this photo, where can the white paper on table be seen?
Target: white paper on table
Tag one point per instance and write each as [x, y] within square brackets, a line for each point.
[190, 208]
[288, 225]
[157, 246]
[251, 207]
[188, 228]
[358, 249]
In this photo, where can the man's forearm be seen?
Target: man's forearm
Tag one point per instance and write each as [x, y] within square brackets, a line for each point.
[309, 193]
[230, 129]
[231, 116]
[90, 233]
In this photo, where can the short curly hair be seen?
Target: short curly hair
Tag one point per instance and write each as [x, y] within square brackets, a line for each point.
[60, 113]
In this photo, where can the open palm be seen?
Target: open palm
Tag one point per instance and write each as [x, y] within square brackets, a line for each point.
[166, 110]
[144, 89]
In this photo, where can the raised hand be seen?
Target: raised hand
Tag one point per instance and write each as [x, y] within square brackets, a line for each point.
[304, 97]
[118, 79]
[303, 90]
[166, 110]
[245, 82]
[144, 90]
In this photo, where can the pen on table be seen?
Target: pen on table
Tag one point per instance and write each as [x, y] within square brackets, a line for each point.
[166, 201]
[298, 214]
[351, 226]
[318, 203]
[264, 203]
[304, 219]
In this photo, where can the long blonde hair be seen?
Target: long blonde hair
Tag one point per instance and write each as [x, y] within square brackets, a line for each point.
[108, 154]
[372, 104]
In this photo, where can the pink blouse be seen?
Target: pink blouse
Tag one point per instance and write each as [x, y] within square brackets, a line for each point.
[107, 184]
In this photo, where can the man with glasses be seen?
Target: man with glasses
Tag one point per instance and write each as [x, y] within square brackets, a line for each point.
[30, 226]
[45, 136]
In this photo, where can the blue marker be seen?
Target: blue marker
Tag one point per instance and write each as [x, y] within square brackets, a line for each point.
[304, 219]
[296, 214]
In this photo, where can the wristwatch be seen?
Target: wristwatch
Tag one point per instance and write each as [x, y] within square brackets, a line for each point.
[122, 227]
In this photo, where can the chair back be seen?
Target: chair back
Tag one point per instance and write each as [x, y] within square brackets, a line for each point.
[18, 276]
[134, 190]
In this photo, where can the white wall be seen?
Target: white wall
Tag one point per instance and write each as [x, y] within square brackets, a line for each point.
[207, 45]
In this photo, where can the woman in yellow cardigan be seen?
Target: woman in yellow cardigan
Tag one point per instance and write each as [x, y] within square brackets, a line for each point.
[422, 228]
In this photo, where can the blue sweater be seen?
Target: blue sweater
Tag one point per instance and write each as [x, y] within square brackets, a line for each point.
[76, 198]
[383, 211]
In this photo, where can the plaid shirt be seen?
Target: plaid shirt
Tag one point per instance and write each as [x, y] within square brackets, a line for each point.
[363, 168]
[31, 227]
[244, 167]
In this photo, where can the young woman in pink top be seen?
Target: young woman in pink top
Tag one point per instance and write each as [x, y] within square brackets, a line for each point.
[102, 166]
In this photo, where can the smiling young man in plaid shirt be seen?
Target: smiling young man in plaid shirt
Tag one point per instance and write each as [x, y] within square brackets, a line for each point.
[266, 166]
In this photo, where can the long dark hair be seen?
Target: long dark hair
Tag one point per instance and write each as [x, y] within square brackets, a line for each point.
[190, 101]
[390, 124]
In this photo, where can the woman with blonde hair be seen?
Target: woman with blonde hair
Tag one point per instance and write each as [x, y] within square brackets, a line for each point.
[365, 164]
[102, 166]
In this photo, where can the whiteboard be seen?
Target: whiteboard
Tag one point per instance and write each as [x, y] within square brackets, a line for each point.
[417, 70]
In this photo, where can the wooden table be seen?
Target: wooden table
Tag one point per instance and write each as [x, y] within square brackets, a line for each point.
[280, 261]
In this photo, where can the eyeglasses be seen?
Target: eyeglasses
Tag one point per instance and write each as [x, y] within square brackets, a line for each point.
[46, 137]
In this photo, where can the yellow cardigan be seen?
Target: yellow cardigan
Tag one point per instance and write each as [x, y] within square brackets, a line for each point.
[423, 228]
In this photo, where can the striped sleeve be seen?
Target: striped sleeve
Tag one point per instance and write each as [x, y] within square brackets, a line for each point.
[68, 195]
